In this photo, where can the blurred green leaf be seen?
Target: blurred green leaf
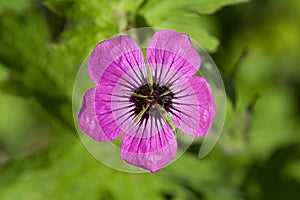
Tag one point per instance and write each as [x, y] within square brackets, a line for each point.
[166, 8]
[193, 26]
[204, 178]
[186, 16]
[130, 5]
[80, 10]
[38, 62]
[24, 37]
[16, 6]
[87, 24]
[14, 88]
[63, 176]
[24, 52]
[270, 175]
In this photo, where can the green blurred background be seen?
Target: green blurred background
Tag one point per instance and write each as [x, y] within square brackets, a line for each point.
[255, 44]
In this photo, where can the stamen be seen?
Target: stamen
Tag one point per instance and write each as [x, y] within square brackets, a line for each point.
[159, 98]
[140, 115]
[165, 93]
[167, 117]
[140, 96]
[149, 78]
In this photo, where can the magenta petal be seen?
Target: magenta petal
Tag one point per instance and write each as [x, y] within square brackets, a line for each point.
[172, 49]
[105, 113]
[149, 146]
[120, 53]
[206, 103]
[117, 66]
[195, 107]
[87, 118]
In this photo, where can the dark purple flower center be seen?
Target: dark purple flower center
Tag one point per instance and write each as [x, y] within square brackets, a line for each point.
[145, 97]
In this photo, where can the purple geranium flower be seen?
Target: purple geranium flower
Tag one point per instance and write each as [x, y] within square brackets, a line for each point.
[146, 102]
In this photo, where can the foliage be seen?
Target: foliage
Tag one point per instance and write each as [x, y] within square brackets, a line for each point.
[42, 45]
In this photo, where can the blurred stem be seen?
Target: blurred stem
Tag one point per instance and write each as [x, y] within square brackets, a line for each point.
[238, 64]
